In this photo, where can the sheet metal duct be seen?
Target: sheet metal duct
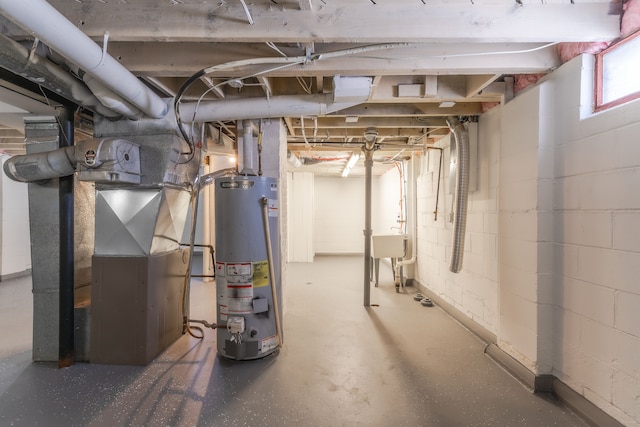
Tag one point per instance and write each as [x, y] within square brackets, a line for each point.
[50, 26]
[106, 160]
[461, 195]
[16, 58]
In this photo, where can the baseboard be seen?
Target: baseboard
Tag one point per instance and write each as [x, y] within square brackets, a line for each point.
[545, 383]
[590, 412]
[5, 277]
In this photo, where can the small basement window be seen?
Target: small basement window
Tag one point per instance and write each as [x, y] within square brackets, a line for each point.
[618, 73]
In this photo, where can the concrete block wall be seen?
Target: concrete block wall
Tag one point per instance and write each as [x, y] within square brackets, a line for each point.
[559, 201]
[474, 291]
[596, 227]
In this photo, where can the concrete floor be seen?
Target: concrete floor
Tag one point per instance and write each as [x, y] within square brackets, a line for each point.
[394, 364]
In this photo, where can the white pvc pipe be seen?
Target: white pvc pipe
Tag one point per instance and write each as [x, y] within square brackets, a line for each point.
[47, 24]
[255, 108]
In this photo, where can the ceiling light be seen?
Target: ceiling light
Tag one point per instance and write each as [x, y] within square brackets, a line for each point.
[351, 119]
[447, 104]
[350, 164]
[235, 83]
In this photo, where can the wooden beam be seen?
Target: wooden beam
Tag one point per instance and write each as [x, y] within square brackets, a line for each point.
[345, 21]
[182, 59]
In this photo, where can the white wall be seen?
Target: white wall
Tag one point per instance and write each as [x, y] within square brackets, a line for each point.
[560, 194]
[387, 208]
[15, 255]
[300, 219]
[339, 214]
[473, 291]
[596, 229]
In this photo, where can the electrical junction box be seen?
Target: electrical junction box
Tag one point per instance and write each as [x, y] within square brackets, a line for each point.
[351, 89]
[108, 161]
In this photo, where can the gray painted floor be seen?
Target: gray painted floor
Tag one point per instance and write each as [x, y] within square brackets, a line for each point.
[395, 364]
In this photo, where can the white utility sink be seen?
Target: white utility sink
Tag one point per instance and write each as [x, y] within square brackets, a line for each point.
[388, 245]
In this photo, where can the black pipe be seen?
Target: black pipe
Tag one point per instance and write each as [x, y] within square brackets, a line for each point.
[66, 344]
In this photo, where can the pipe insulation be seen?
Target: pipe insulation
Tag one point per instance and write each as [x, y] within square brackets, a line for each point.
[16, 58]
[461, 193]
[253, 108]
[44, 22]
[41, 166]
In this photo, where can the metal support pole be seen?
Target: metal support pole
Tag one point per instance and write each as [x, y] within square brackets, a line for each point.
[368, 165]
[66, 353]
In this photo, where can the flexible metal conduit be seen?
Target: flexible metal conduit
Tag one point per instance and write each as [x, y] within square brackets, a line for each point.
[47, 24]
[461, 194]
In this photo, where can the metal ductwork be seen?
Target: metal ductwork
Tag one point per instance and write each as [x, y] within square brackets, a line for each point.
[17, 59]
[44, 22]
[461, 194]
[106, 161]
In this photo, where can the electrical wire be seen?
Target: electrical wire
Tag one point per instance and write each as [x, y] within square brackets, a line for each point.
[284, 62]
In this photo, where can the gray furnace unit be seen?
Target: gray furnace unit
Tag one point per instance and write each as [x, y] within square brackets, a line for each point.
[247, 249]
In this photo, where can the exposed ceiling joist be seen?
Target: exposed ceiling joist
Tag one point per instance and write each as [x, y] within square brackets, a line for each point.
[180, 60]
[346, 21]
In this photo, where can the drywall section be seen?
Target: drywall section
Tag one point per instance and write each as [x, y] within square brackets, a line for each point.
[15, 257]
[473, 291]
[300, 218]
[388, 207]
[596, 347]
[339, 214]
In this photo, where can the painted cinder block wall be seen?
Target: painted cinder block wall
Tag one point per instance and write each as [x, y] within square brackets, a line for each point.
[474, 290]
[559, 192]
[596, 229]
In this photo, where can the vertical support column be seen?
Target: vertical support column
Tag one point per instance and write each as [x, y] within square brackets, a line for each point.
[370, 137]
[66, 352]
[368, 165]
[42, 134]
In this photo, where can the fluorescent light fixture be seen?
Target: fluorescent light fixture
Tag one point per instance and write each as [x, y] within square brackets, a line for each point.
[447, 104]
[350, 164]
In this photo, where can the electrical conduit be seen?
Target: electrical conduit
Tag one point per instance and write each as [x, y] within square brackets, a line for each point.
[461, 194]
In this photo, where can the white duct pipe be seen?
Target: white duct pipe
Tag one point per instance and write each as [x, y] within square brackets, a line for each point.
[252, 108]
[461, 195]
[247, 145]
[414, 249]
[47, 24]
[111, 100]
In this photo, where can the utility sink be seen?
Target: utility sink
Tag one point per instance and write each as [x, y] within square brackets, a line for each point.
[388, 245]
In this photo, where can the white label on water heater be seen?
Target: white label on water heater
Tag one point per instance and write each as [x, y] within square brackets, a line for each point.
[238, 287]
[268, 343]
[272, 205]
[240, 298]
[220, 270]
[239, 270]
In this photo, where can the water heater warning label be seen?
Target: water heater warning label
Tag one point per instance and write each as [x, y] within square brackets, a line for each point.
[238, 281]
[260, 274]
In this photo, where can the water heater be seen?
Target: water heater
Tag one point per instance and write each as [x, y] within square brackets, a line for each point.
[246, 209]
